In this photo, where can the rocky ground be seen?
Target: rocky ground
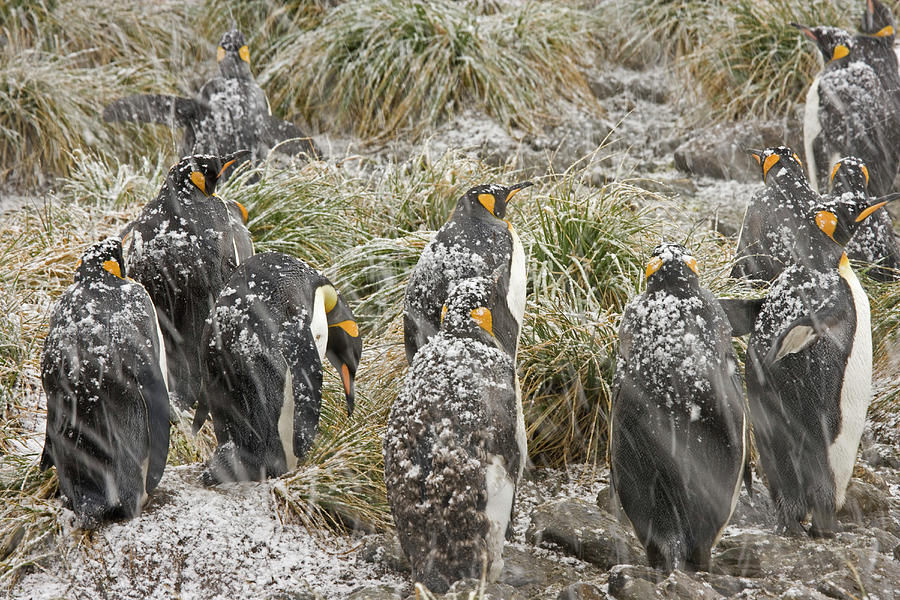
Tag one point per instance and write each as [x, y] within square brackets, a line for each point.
[194, 542]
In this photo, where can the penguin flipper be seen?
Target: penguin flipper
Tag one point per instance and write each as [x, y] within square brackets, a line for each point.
[748, 476]
[286, 137]
[803, 332]
[200, 415]
[153, 389]
[741, 314]
[153, 108]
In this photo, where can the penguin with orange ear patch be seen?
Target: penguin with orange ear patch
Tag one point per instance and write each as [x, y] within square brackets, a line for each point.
[229, 113]
[678, 434]
[183, 248]
[875, 44]
[263, 347]
[774, 215]
[848, 112]
[103, 369]
[809, 372]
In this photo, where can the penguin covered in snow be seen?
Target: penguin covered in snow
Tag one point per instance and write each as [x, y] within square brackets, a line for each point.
[475, 242]
[875, 45]
[874, 241]
[263, 346]
[809, 372]
[230, 112]
[848, 112]
[183, 248]
[775, 216]
[678, 436]
[103, 369]
[451, 451]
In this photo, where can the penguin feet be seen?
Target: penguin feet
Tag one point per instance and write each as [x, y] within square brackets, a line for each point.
[790, 528]
[230, 463]
[824, 524]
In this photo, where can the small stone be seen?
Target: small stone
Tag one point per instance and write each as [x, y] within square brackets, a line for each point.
[581, 591]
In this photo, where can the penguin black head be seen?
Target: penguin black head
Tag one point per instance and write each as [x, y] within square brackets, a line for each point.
[849, 175]
[104, 256]
[344, 342]
[233, 56]
[840, 216]
[878, 20]
[469, 310]
[201, 172]
[492, 198]
[834, 43]
[776, 159]
[671, 266]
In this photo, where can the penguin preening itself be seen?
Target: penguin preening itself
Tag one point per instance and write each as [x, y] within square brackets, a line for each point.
[874, 241]
[678, 433]
[183, 248]
[230, 112]
[774, 216]
[452, 457]
[103, 369]
[262, 348]
[848, 112]
[475, 242]
[809, 372]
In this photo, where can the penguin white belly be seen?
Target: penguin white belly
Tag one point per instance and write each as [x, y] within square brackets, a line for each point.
[515, 295]
[811, 129]
[237, 254]
[856, 390]
[286, 421]
[163, 365]
[319, 323]
[500, 493]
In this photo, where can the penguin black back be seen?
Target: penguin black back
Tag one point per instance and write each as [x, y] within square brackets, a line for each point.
[103, 371]
[677, 431]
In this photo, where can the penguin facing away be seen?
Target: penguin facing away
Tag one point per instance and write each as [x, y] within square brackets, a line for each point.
[262, 348]
[451, 454]
[678, 433]
[809, 373]
[874, 241]
[183, 248]
[230, 112]
[103, 369]
[774, 216]
[475, 242]
[848, 112]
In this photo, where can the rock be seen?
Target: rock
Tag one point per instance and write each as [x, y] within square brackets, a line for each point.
[756, 512]
[864, 499]
[460, 590]
[721, 151]
[581, 591]
[726, 584]
[380, 592]
[584, 531]
[522, 568]
[881, 455]
[633, 583]
[383, 550]
[681, 586]
[737, 561]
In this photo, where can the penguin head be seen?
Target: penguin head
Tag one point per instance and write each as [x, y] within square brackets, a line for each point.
[469, 310]
[671, 266]
[834, 43]
[878, 20]
[344, 342]
[840, 216]
[102, 259]
[776, 159]
[196, 176]
[849, 174]
[489, 200]
[233, 56]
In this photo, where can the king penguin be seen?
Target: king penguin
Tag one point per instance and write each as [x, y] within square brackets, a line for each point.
[848, 112]
[809, 372]
[678, 433]
[452, 457]
[874, 241]
[103, 369]
[183, 248]
[766, 242]
[231, 111]
[263, 346]
[475, 242]
[875, 44]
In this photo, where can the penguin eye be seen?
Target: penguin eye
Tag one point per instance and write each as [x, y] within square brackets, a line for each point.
[865, 172]
[770, 162]
[691, 262]
[840, 51]
[653, 266]
[483, 317]
[199, 180]
[220, 54]
[837, 167]
[827, 222]
[487, 201]
[244, 53]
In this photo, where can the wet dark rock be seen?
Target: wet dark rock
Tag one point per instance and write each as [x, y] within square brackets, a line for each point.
[584, 531]
[582, 591]
[379, 592]
[384, 550]
[488, 591]
[721, 151]
[864, 499]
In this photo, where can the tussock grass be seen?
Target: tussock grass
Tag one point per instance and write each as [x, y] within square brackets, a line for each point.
[380, 66]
